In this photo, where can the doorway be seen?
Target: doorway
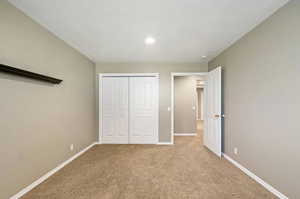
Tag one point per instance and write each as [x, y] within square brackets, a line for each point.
[189, 116]
[186, 107]
[186, 103]
[200, 85]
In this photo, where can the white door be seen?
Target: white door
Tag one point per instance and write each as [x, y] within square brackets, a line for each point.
[213, 128]
[115, 110]
[143, 123]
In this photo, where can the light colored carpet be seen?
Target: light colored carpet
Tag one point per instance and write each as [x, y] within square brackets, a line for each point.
[186, 170]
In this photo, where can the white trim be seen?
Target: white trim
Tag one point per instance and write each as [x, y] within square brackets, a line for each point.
[157, 108]
[188, 74]
[197, 104]
[172, 108]
[129, 74]
[165, 143]
[101, 75]
[185, 134]
[256, 178]
[173, 74]
[100, 108]
[49, 174]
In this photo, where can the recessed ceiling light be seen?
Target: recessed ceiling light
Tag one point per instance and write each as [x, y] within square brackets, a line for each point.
[204, 56]
[150, 40]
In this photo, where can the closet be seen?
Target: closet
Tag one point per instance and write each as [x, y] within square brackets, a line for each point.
[129, 109]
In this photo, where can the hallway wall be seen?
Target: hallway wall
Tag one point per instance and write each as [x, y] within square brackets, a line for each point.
[185, 98]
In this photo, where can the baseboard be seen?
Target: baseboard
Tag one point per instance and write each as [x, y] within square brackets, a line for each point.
[50, 173]
[164, 143]
[256, 178]
[185, 134]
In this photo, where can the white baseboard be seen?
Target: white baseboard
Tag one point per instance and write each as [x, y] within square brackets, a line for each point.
[164, 143]
[50, 173]
[256, 178]
[185, 134]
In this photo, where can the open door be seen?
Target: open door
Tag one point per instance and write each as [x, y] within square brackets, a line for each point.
[213, 114]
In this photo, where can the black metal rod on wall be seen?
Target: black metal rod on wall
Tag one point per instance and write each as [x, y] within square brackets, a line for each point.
[28, 74]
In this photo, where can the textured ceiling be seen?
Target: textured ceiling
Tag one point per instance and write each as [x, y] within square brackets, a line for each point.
[114, 30]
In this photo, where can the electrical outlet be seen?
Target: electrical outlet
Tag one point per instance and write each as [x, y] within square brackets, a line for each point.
[236, 151]
[71, 147]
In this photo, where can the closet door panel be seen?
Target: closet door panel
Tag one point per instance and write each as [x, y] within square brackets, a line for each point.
[115, 110]
[143, 110]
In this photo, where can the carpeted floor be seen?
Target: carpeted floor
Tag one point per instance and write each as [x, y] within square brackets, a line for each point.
[186, 170]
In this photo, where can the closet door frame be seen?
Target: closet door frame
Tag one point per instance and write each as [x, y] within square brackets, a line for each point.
[100, 89]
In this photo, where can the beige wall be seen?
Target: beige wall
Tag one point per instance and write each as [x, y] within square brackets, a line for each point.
[164, 85]
[39, 121]
[262, 122]
[185, 98]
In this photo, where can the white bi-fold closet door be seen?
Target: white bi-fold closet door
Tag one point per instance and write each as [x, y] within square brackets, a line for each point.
[143, 110]
[129, 110]
[115, 110]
